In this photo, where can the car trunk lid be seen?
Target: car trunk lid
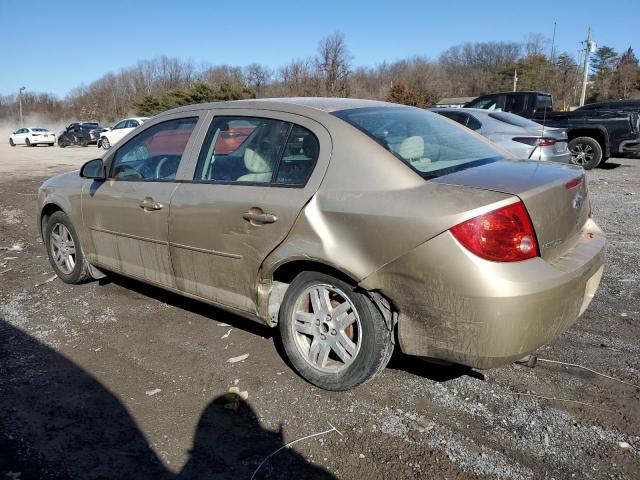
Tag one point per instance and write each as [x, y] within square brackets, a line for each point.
[555, 196]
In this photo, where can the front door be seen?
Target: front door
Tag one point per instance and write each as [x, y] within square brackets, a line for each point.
[127, 215]
[254, 175]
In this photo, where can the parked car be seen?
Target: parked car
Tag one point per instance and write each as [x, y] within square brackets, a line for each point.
[520, 136]
[110, 136]
[80, 133]
[619, 105]
[341, 222]
[32, 137]
[594, 135]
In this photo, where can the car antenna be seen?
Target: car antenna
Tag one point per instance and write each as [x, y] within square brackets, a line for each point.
[544, 74]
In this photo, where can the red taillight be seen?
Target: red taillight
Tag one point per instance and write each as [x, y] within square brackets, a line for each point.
[536, 141]
[573, 183]
[92, 132]
[503, 235]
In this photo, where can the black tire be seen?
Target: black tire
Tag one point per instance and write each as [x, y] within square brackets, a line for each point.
[104, 143]
[80, 272]
[84, 142]
[62, 144]
[11, 142]
[373, 337]
[27, 142]
[586, 152]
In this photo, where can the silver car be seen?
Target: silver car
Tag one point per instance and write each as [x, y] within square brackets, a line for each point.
[520, 136]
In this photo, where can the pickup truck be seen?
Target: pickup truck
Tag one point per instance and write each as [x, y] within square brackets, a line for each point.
[594, 135]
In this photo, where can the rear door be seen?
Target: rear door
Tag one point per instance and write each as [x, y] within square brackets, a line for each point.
[255, 172]
[126, 215]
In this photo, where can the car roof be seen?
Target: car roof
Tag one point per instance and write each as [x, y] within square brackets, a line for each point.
[322, 104]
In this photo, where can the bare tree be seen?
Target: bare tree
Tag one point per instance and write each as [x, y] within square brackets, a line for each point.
[257, 76]
[334, 65]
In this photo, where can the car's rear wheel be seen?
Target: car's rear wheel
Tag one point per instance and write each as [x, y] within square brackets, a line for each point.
[84, 142]
[27, 142]
[11, 142]
[61, 144]
[64, 249]
[586, 152]
[105, 143]
[333, 334]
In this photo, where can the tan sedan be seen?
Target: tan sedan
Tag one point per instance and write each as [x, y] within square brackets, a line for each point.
[344, 223]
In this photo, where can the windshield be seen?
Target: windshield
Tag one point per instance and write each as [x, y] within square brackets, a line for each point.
[429, 144]
[39, 130]
[513, 119]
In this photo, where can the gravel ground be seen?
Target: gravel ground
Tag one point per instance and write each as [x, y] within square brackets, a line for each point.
[116, 379]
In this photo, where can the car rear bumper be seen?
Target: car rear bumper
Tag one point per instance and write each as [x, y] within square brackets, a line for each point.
[549, 154]
[455, 306]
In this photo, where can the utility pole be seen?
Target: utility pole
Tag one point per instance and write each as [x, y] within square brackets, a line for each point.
[515, 79]
[585, 73]
[20, 99]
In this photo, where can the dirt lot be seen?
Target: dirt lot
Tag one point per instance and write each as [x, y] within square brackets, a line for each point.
[115, 379]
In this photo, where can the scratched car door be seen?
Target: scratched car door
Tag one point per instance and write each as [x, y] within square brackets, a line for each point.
[126, 215]
[255, 172]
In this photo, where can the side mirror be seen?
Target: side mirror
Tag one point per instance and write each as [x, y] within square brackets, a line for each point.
[93, 169]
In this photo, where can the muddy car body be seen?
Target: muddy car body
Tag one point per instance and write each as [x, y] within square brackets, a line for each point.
[342, 222]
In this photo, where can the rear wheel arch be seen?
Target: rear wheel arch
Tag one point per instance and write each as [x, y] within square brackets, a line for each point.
[278, 280]
[598, 135]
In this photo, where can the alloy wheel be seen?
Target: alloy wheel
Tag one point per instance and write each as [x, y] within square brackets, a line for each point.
[326, 328]
[63, 248]
[582, 154]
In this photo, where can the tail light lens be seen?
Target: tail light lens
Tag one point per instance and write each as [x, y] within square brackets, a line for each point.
[503, 235]
[536, 141]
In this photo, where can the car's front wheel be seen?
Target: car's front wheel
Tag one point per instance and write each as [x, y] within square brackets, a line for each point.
[333, 334]
[105, 143]
[586, 152]
[64, 249]
[11, 142]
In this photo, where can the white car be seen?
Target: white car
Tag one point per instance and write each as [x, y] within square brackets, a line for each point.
[32, 136]
[109, 137]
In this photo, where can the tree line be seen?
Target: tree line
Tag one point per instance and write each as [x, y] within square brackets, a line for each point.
[470, 69]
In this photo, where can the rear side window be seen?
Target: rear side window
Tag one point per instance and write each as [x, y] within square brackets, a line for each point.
[257, 150]
[515, 103]
[428, 144]
[155, 153]
[543, 102]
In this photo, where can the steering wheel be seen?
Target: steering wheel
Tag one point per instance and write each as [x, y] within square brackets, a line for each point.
[127, 171]
[161, 163]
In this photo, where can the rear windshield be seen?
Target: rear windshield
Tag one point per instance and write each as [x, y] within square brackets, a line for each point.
[39, 130]
[429, 144]
[513, 119]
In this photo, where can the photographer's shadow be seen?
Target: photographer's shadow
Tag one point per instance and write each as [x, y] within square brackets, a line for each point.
[59, 422]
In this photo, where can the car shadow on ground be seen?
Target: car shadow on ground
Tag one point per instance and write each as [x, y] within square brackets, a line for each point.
[422, 367]
[58, 422]
[609, 165]
[431, 369]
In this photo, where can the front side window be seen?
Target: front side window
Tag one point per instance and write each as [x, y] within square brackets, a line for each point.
[155, 153]
[257, 150]
[424, 141]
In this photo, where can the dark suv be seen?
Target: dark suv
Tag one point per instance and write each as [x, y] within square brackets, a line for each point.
[80, 133]
[594, 134]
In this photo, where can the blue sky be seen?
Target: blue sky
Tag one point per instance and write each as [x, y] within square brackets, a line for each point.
[51, 48]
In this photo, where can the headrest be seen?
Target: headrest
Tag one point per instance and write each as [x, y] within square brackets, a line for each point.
[255, 163]
[412, 148]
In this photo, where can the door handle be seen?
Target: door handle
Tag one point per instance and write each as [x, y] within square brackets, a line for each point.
[149, 204]
[256, 216]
